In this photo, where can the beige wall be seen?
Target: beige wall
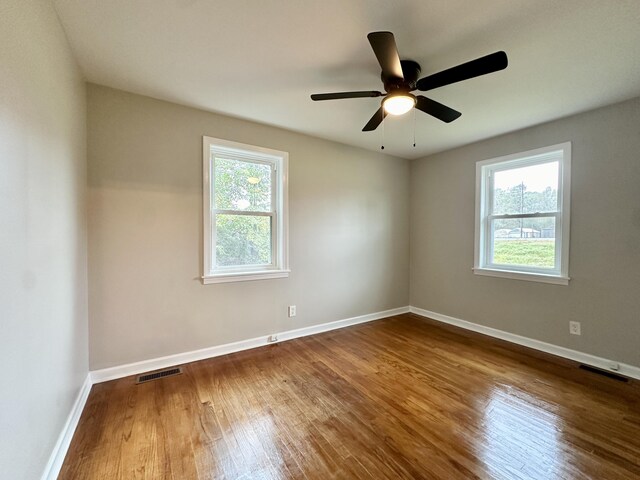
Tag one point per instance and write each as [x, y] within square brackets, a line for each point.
[604, 264]
[43, 275]
[349, 233]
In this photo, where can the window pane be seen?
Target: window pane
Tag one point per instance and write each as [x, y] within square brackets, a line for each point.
[530, 189]
[242, 185]
[243, 240]
[524, 241]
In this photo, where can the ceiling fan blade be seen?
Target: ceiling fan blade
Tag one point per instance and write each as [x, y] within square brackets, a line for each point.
[376, 120]
[340, 95]
[480, 66]
[435, 109]
[384, 46]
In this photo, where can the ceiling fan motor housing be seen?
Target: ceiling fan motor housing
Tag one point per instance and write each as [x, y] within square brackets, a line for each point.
[411, 71]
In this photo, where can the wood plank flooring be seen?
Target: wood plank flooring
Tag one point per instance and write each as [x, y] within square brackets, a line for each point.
[400, 398]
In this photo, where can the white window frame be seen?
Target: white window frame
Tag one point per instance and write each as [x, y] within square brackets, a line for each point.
[279, 162]
[485, 169]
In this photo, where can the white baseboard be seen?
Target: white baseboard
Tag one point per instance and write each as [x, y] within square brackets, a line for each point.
[585, 358]
[325, 327]
[106, 374]
[56, 459]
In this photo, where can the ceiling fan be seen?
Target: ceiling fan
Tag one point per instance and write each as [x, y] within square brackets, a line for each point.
[400, 78]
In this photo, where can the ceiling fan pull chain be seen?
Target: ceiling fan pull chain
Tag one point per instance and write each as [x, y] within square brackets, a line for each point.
[414, 128]
[382, 114]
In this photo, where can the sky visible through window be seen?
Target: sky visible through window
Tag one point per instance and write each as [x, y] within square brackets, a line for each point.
[536, 178]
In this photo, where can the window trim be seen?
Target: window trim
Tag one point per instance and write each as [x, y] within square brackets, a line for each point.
[560, 274]
[279, 268]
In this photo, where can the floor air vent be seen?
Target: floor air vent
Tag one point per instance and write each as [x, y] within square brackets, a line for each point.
[605, 373]
[168, 372]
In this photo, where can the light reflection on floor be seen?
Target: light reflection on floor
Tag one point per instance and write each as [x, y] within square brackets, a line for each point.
[522, 436]
[258, 448]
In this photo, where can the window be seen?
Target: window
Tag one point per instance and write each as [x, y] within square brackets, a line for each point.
[245, 212]
[522, 215]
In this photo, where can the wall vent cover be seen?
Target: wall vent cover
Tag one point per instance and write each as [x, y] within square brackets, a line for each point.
[167, 372]
[605, 373]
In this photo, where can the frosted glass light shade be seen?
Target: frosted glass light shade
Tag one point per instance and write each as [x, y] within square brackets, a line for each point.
[398, 104]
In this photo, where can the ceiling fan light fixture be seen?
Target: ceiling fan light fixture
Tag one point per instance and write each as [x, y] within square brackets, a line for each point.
[399, 104]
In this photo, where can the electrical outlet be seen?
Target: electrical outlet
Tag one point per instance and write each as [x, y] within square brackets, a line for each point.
[574, 328]
[292, 310]
[272, 338]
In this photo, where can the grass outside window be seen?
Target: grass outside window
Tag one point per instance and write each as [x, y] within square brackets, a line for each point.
[533, 252]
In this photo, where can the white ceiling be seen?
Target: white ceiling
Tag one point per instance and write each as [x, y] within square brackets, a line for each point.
[261, 59]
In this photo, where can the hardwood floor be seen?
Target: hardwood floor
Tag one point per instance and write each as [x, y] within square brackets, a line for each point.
[397, 398]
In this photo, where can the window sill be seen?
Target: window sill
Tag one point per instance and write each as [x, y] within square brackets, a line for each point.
[531, 277]
[244, 276]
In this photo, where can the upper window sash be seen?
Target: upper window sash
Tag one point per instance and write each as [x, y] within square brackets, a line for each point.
[488, 173]
[241, 157]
